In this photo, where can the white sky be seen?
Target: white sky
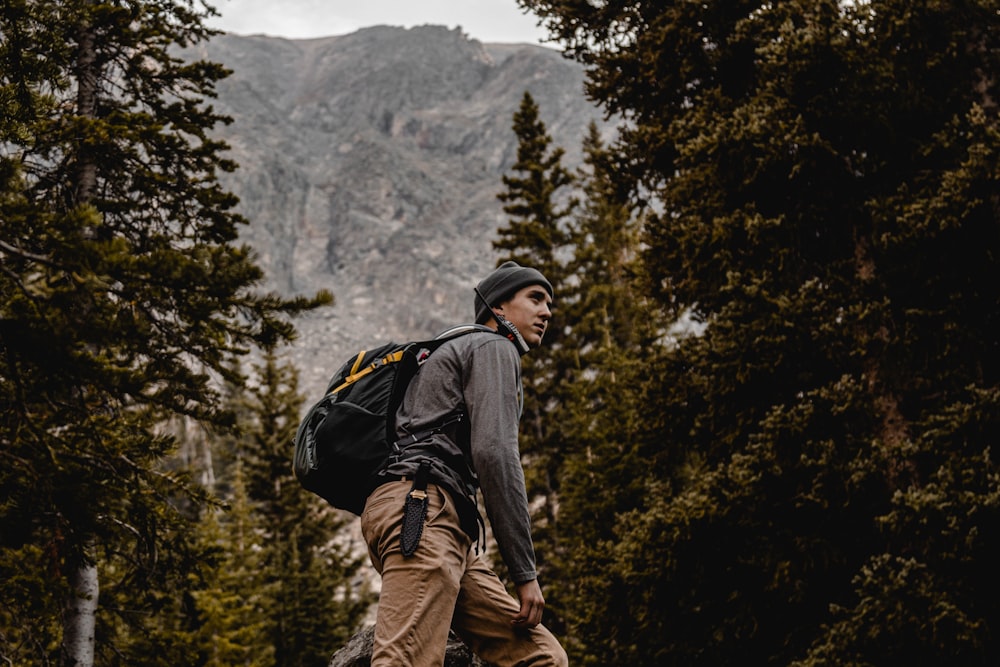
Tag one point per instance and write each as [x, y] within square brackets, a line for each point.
[485, 20]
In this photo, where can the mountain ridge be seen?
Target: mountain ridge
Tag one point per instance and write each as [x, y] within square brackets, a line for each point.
[370, 164]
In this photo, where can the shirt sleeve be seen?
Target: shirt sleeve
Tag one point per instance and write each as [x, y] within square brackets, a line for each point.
[492, 388]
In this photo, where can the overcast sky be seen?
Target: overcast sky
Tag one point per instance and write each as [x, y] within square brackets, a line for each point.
[485, 20]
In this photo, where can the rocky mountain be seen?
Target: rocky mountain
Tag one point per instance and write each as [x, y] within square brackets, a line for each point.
[370, 164]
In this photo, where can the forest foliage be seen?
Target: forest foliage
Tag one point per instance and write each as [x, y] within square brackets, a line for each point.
[808, 479]
[126, 303]
[760, 429]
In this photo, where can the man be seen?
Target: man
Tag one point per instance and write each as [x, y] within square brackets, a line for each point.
[469, 390]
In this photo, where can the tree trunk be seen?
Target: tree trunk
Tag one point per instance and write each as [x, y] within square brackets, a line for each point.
[87, 76]
[80, 618]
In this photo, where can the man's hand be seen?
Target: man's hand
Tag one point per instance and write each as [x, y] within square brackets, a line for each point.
[532, 604]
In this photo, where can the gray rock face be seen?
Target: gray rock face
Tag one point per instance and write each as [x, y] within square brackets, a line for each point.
[370, 164]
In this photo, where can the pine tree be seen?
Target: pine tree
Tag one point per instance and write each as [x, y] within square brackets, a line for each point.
[313, 605]
[230, 619]
[123, 294]
[535, 197]
[825, 181]
[537, 234]
[610, 329]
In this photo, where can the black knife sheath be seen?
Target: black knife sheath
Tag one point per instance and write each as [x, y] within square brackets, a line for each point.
[415, 511]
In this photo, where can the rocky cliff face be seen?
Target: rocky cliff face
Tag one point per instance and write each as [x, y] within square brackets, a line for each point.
[370, 164]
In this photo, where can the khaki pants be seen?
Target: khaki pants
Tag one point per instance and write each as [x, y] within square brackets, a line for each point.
[444, 584]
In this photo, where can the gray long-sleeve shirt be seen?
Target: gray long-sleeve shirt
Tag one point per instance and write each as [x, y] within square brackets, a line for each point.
[479, 375]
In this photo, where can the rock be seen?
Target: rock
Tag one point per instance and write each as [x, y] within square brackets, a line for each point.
[358, 652]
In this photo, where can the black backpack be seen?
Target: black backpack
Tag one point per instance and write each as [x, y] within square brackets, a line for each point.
[349, 435]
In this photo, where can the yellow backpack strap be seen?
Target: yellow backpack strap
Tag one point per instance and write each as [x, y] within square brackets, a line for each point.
[357, 362]
[357, 375]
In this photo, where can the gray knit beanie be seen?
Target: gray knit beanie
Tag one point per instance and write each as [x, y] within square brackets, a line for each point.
[500, 285]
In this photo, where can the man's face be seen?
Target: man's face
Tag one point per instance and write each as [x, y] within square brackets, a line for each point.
[528, 310]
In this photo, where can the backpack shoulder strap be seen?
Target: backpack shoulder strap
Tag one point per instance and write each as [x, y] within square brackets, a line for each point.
[358, 370]
[461, 329]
